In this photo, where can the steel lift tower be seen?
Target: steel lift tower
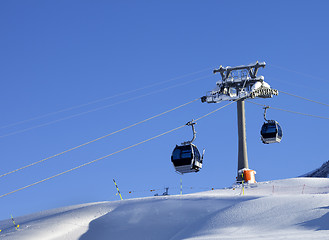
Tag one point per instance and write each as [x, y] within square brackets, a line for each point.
[238, 84]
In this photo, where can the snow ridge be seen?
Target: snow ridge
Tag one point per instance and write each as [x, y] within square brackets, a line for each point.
[321, 172]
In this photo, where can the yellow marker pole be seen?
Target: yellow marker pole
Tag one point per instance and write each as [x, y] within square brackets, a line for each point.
[12, 218]
[242, 184]
[117, 189]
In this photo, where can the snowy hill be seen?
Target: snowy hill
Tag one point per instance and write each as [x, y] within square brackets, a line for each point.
[322, 172]
[285, 209]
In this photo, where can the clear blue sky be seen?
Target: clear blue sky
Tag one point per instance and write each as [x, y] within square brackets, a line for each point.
[60, 54]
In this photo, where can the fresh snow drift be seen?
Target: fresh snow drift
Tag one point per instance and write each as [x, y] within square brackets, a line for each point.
[295, 208]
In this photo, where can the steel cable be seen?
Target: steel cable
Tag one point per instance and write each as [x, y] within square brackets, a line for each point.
[107, 135]
[280, 109]
[111, 154]
[100, 108]
[102, 99]
[310, 100]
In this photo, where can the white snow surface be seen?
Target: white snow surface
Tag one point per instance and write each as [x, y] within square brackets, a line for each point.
[296, 208]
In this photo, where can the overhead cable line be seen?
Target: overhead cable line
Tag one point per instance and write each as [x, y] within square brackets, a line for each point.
[111, 154]
[310, 100]
[102, 99]
[100, 108]
[97, 139]
[300, 73]
[280, 109]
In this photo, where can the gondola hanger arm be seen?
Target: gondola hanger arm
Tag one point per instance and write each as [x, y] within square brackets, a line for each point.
[191, 123]
[265, 109]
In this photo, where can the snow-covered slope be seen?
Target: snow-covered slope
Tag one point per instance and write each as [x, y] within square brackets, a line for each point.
[322, 172]
[285, 209]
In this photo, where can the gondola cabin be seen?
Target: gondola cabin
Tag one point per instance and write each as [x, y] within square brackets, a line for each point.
[186, 158]
[271, 132]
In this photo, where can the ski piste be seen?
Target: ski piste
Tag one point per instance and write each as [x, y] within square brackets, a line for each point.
[16, 225]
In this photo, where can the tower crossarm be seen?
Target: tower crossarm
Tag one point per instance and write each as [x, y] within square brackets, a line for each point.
[252, 69]
[240, 82]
